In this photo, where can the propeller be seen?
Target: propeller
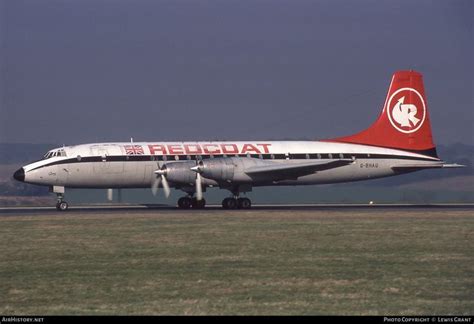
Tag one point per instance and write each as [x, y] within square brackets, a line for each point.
[160, 178]
[198, 186]
[110, 194]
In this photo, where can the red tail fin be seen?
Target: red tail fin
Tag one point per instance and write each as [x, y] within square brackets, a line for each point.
[404, 122]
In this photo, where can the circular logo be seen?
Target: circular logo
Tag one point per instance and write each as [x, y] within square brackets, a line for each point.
[406, 110]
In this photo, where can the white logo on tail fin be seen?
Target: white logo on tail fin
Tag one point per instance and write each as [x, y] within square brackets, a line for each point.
[404, 114]
[406, 117]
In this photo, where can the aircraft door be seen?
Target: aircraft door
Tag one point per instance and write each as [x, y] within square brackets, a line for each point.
[109, 162]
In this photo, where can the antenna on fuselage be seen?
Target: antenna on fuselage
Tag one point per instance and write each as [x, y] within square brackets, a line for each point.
[131, 140]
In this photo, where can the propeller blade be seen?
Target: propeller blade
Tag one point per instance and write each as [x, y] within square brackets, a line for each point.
[110, 194]
[155, 184]
[198, 187]
[166, 186]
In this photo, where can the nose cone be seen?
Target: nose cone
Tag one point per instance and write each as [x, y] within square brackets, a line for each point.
[19, 175]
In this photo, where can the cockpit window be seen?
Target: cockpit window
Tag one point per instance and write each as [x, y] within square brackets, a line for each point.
[54, 153]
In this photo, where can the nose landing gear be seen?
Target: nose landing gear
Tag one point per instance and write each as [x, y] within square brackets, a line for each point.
[61, 205]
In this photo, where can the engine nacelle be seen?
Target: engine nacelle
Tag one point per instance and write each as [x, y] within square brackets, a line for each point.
[220, 169]
[229, 169]
[180, 172]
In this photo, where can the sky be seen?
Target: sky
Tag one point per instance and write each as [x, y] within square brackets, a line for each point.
[85, 71]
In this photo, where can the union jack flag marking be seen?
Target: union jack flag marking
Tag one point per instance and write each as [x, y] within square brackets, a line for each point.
[134, 150]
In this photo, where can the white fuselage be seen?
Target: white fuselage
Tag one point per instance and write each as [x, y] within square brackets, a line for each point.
[132, 165]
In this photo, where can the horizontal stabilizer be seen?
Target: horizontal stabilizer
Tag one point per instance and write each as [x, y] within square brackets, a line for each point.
[421, 166]
[453, 165]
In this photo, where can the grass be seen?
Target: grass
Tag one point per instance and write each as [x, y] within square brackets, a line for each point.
[271, 262]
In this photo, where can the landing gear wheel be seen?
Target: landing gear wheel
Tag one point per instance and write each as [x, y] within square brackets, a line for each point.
[184, 202]
[244, 203]
[229, 203]
[62, 206]
[198, 204]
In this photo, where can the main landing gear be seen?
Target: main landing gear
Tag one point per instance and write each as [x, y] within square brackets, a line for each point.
[236, 203]
[191, 202]
[233, 202]
[228, 203]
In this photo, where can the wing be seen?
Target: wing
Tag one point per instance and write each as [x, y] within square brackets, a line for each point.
[289, 171]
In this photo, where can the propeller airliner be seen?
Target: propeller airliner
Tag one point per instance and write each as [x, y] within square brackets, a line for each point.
[398, 142]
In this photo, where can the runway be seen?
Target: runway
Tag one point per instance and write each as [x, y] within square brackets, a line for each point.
[153, 208]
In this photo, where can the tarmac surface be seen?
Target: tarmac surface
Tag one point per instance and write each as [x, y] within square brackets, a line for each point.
[129, 208]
